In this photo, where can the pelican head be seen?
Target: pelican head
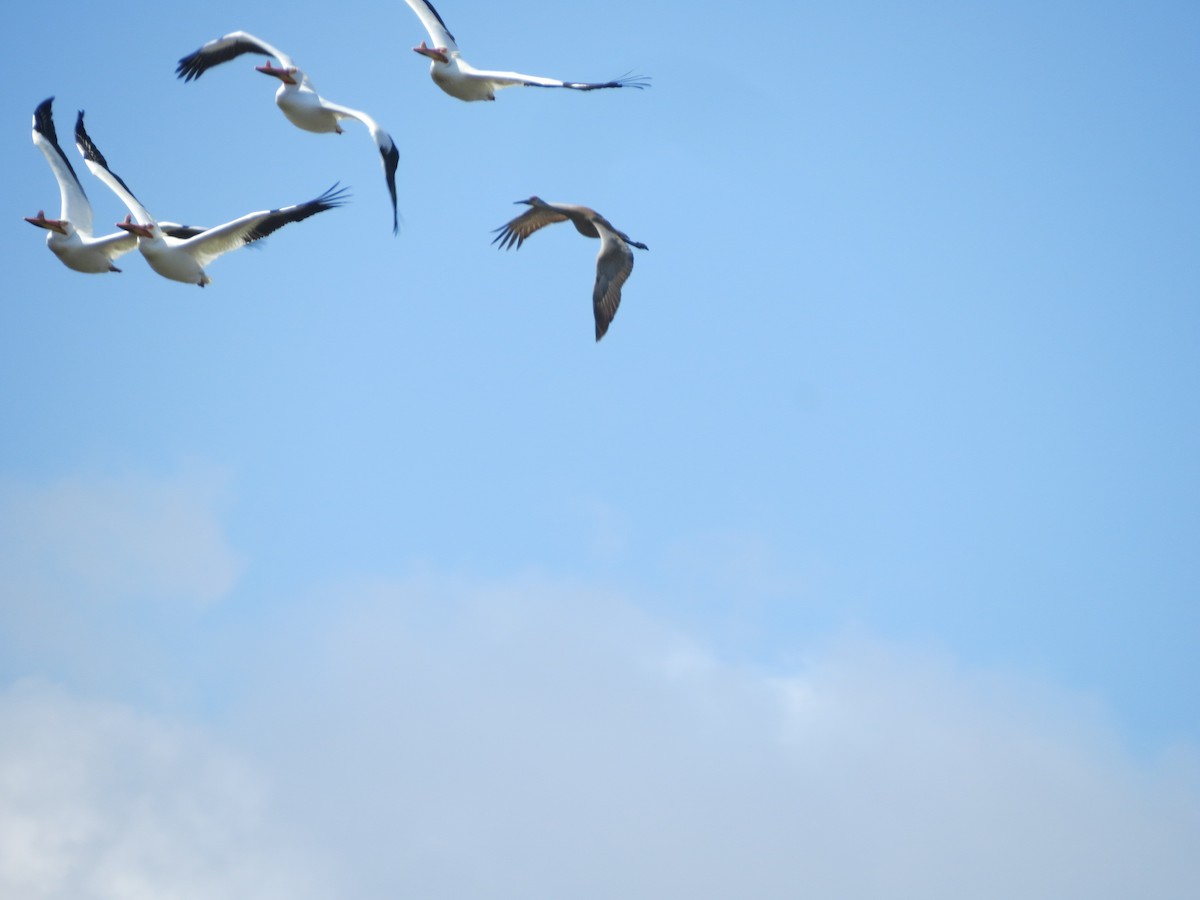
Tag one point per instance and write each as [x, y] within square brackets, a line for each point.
[286, 74]
[144, 231]
[532, 201]
[60, 226]
[437, 54]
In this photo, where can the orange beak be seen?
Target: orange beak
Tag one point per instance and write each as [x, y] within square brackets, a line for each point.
[438, 53]
[49, 224]
[134, 228]
[282, 74]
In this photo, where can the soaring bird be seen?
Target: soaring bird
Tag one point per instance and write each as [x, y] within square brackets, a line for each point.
[614, 262]
[69, 236]
[184, 259]
[297, 97]
[460, 79]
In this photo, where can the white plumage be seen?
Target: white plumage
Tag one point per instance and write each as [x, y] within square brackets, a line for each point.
[296, 97]
[460, 79]
[184, 259]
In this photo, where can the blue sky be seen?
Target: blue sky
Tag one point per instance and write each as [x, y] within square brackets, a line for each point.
[859, 553]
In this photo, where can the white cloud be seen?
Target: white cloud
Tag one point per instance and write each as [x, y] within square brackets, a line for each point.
[99, 801]
[533, 739]
[90, 567]
[537, 740]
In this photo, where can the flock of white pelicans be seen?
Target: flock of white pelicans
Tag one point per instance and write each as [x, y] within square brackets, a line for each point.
[181, 252]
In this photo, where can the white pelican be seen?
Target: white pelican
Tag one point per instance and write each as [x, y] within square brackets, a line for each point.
[297, 97]
[460, 79]
[614, 262]
[184, 259]
[69, 236]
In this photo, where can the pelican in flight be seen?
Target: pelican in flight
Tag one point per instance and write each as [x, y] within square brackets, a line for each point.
[184, 259]
[69, 236]
[460, 79]
[299, 100]
[614, 262]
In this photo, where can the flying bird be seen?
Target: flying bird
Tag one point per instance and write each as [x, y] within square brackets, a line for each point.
[299, 100]
[184, 258]
[69, 236]
[460, 79]
[614, 262]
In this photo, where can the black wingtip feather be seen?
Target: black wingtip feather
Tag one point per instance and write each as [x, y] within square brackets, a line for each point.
[335, 196]
[200, 61]
[391, 161]
[43, 124]
[628, 80]
[43, 119]
[187, 69]
[332, 198]
[633, 81]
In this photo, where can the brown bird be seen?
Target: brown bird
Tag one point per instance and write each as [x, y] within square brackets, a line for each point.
[614, 262]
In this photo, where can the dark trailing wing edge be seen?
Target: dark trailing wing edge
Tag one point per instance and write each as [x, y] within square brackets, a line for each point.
[43, 123]
[612, 271]
[277, 218]
[197, 63]
[183, 232]
[438, 16]
[91, 152]
[627, 80]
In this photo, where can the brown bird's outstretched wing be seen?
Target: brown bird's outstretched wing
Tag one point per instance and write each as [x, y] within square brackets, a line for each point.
[515, 232]
[613, 265]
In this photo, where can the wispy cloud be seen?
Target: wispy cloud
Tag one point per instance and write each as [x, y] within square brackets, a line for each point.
[116, 539]
[535, 738]
[100, 801]
[90, 566]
